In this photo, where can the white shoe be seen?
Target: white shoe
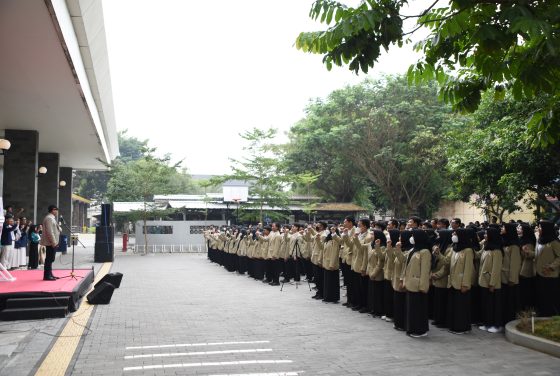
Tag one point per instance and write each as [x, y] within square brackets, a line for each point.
[388, 319]
[383, 317]
[493, 329]
[483, 327]
[418, 335]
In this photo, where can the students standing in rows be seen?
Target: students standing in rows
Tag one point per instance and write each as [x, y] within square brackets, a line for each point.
[460, 280]
[511, 266]
[348, 252]
[388, 272]
[490, 281]
[547, 267]
[399, 298]
[440, 276]
[331, 274]
[416, 280]
[376, 260]
[361, 240]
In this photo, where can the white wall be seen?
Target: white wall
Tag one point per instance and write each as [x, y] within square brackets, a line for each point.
[181, 232]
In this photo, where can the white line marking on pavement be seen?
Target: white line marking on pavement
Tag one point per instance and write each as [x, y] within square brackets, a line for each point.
[195, 345]
[194, 353]
[205, 364]
[293, 373]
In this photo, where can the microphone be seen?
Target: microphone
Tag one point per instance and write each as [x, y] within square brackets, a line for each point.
[61, 219]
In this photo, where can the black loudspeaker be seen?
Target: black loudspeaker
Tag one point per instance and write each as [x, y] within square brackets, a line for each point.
[101, 294]
[104, 252]
[104, 234]
[112, 278]
[106, 214]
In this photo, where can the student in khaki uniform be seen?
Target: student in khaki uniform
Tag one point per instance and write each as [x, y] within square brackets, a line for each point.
[527, 242]
[547, 268]
[242, 252]
[388, 270]
[417, 283]
[376, 260]
[349, 227]
[440, 276]
[318, 236]
[460, 281]
[399, 297]
[476, 312]
[490, 281]
[331, 249]
[361, 240]
[511, 266]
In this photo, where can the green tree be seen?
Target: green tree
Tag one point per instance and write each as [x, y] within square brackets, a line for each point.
[493, 160]
[473, 46]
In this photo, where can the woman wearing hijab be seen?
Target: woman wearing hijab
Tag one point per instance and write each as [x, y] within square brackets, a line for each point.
[440, 276]
[388, 274]
[511, 266]
[547, 266]
[490, 281]
[399, 296]
[376, 259]
[417, 283]
[361, 244]
[527, 242]
[331, 264]
[460, 281]
[476, 311]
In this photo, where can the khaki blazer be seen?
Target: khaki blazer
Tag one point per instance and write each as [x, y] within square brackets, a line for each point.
[376, 261]
[347, 246]
[461, 269]
[398, 267]
[511, 264]
[330, 253]
[388, 263]
[317, 248]
[306, 245]
[361, 249]
[548, 256]
[417, 272]
[490, 274]
[441, 274]
[528, 261]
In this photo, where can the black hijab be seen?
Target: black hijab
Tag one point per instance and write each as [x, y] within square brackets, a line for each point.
[421, 241]
[464, 240]
[510, 237]
[405, 240]
[547, 235]
[394, 235]
[475, 244]
[444, 240]
[528, 236]
[378, 234]
[493, 239]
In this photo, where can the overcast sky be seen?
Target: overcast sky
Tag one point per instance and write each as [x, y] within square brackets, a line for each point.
[191, 75]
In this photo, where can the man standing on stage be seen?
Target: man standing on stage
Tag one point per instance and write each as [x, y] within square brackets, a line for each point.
[51, 234]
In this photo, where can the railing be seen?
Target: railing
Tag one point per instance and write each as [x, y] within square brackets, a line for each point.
[170, 248]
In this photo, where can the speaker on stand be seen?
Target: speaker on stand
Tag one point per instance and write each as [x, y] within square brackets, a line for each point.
[105, 236]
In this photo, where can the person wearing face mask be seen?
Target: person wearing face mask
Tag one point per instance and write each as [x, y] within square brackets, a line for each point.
[317, 257]
[399, 298]
[440, 276]
[489, 280]
[416, 280]
[361, 242]
[347, 257]
[388, 274]
[460, 280]
[511, 266]
[376, 260]
[527, 242]
[331, 264]
[547, 268]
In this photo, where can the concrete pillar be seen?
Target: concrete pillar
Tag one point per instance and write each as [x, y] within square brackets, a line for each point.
[20, 172]
[65, 198]
[47, 186]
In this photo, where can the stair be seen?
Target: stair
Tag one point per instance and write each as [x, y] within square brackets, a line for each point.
[35, 308]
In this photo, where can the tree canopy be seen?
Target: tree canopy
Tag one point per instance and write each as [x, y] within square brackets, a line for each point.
[473, 46]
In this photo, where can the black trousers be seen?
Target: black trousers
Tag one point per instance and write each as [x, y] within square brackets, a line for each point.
[318, 278]
[416, 313]
[399, 312]
[440, 306]
[33, 256]
[388, 298]
[526, 293]
[308, 269]
[350, 286]
[547, 296]
[49, 259]
[491, 305]
[331, 290]
[476, 305]
[375, 297]
[459, 310]
[359, 290]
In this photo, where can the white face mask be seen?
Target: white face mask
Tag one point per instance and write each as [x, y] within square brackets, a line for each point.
[455, 239]
[411, 240]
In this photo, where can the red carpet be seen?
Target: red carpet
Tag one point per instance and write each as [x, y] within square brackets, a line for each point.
[31, 281]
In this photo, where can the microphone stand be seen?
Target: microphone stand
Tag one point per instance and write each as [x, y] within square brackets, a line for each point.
[73, 239]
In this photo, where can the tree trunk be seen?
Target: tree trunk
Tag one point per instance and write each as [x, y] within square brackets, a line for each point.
[145, 229]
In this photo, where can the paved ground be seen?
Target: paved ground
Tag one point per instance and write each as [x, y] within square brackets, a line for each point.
[178, 314]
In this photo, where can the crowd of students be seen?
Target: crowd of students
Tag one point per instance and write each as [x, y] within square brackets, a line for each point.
[19, 242]
[407, 272]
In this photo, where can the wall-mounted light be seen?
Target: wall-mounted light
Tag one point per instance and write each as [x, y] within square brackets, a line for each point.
[42, 171]
[4, 146]
[61, 184]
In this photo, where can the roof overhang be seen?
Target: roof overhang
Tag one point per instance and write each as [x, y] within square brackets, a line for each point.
[54, 78]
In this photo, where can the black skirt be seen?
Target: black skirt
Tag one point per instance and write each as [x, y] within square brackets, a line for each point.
[526, 293]
[416, 313]
[375, 297]
[491, 307]
[399, 311]
[318, 278]
[547, 296]
[510, 302]
[440, 306]
[33, 256]
[459, 311]
[388, 298]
